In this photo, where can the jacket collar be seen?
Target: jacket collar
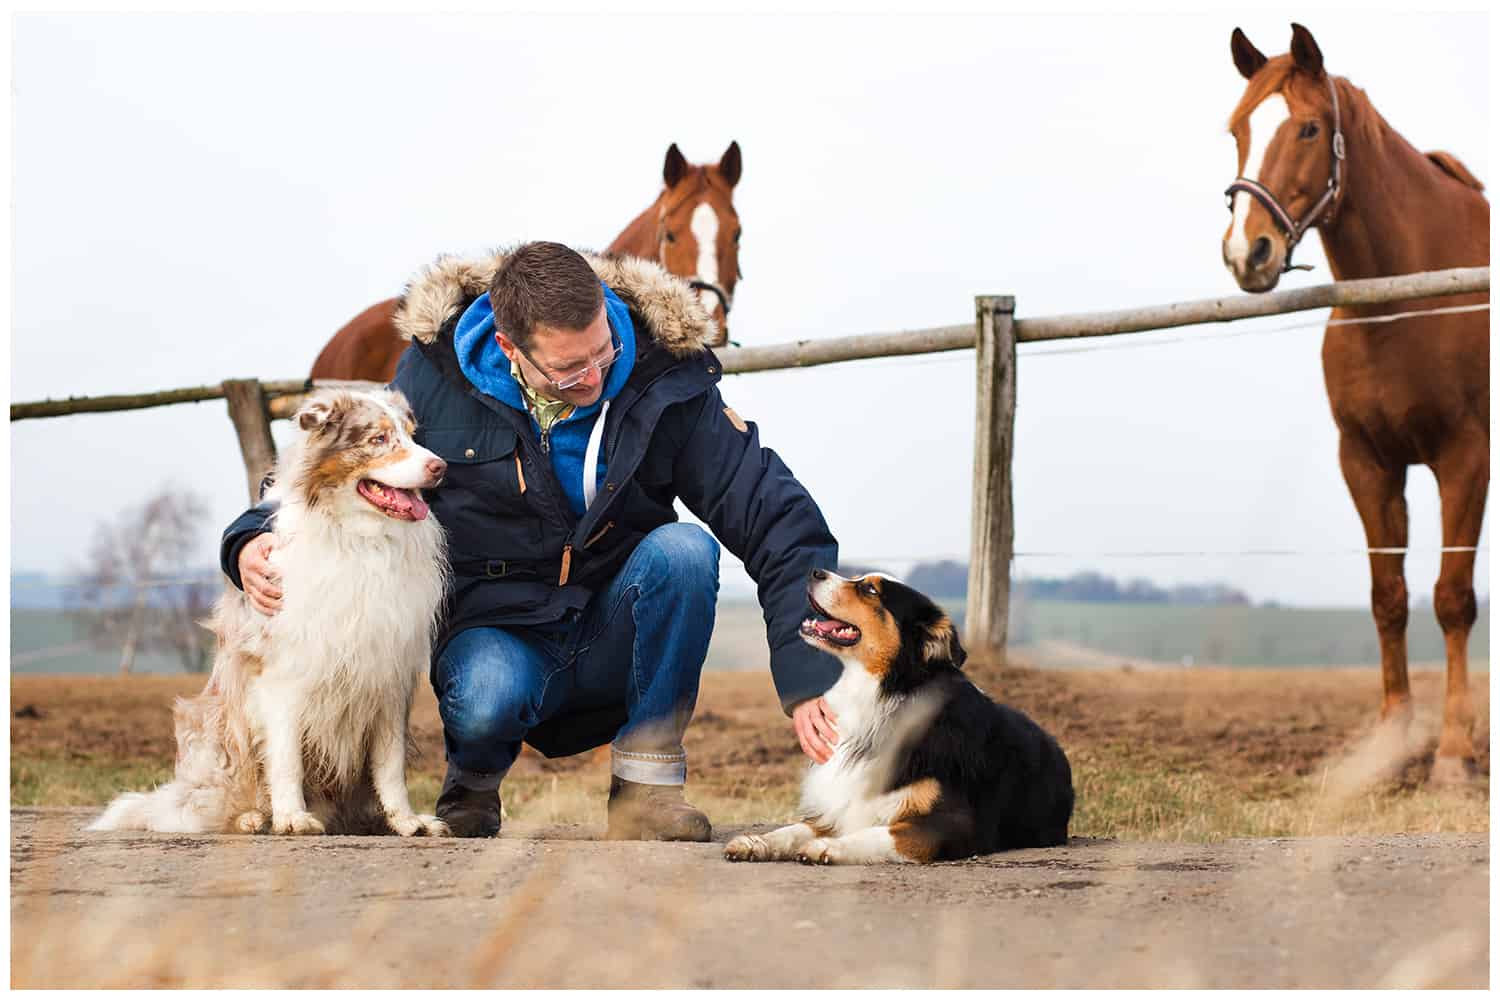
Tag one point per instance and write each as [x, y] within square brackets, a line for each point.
[673, 315]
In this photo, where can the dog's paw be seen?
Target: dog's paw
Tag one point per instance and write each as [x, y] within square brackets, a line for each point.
[412, 825]
[298, 823]
[747, 847]
[822, 851]
[253, 821]
[434, 827]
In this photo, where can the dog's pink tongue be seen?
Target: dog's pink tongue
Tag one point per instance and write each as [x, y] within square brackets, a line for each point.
[828, 626]
[418, 509]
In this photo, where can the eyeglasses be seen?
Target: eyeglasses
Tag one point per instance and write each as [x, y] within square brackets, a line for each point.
[576, 376]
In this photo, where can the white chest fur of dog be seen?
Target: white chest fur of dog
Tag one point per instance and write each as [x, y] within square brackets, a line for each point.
[844, 792]
[304, 720]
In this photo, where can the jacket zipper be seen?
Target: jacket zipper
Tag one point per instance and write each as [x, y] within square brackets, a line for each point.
[567, 564]
[598, 534]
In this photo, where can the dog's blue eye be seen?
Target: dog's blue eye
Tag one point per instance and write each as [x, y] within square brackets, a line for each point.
[378, 439]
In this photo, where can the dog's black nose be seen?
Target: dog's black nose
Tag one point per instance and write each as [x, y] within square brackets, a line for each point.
[820, 574]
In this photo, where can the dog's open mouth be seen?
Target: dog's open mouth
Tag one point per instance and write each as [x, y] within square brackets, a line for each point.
[826, 628]
[403, 505]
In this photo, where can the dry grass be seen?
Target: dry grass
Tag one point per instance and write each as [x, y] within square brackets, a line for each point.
[1196, 755]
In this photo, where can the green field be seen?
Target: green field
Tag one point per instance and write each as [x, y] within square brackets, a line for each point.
[1045, 633]
[49, 642]
[1227, 636]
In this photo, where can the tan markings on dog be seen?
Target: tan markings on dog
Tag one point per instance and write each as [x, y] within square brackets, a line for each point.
[913, 842]
[329, 474]
[821, 828]
[919, 798]
[399, 455]
[939, 644]
[880, 638]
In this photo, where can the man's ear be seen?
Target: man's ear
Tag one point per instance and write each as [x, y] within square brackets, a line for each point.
[506, 345]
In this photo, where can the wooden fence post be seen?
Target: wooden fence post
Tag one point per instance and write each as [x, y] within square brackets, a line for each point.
[993, 529]
[247, 408]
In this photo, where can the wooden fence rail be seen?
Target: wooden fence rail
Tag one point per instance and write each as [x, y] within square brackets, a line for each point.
[995, 333]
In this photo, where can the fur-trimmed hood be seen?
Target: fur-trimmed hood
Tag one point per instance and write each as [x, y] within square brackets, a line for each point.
[673, 314]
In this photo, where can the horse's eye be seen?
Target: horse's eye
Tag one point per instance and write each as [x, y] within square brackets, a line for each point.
[1309, 131]
[737, 235]
[668, 237]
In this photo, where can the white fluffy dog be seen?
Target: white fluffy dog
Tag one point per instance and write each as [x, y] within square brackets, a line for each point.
[303, 725]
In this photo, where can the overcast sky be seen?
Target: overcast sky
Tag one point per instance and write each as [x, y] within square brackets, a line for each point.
[200, 198]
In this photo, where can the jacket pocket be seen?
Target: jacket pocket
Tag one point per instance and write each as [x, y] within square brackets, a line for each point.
[485, 481]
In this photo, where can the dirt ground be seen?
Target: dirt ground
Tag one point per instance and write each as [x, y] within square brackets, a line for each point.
[547, 906]
[1217, 843]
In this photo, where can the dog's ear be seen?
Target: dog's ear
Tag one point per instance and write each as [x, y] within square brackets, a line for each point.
[942, 645]
[322, 412]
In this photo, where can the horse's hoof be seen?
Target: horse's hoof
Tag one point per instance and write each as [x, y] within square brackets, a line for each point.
[1452, 772]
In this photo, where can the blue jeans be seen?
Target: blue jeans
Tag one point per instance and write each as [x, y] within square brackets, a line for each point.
[640, 643]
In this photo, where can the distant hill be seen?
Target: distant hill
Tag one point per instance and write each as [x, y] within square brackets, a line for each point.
[951, 579]
[45, 592]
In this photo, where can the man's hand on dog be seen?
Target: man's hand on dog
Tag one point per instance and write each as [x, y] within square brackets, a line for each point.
[816, 729]
[260, 579]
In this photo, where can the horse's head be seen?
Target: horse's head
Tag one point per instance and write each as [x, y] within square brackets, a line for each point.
[1289, 136]
[698, 232]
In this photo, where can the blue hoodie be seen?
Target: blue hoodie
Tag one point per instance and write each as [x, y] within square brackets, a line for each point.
[488, 369]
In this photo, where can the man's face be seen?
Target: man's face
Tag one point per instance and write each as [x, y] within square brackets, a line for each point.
[557, 355]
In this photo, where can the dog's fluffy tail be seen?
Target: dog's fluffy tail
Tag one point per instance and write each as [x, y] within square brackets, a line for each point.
[172, 808]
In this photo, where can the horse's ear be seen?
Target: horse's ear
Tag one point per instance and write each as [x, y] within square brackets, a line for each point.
[730, 165]
[676, 167]
[1305, 51]
[1247, 58]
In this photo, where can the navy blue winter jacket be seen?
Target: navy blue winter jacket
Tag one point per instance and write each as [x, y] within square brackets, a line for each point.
[520, 554]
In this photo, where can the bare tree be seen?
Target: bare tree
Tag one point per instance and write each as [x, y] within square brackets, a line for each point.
[135, 592]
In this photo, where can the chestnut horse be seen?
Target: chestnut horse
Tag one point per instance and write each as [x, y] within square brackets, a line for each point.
[691, 229]
[1315, 154]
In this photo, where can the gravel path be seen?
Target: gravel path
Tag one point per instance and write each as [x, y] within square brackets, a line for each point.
[552, 907]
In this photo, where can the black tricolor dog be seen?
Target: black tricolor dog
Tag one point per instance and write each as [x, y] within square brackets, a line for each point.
[927, 768]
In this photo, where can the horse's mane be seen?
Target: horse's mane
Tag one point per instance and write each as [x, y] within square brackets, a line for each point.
[1451, 165]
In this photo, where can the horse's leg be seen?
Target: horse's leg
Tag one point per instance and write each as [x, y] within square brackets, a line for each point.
[1463, 475]
[1379, 496]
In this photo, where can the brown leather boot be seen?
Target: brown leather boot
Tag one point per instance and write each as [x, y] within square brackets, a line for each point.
[653, 812]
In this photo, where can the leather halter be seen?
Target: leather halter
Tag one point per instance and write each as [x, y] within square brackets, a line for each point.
[1295, 229]
[699, 284]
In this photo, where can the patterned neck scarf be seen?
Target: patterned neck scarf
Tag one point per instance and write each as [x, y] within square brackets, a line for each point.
[545, 411]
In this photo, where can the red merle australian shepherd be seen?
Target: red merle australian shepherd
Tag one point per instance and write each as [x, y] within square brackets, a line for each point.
[927, 768]
[302, 728]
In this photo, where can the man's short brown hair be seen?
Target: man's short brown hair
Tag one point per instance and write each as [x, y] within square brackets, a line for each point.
[544, 283]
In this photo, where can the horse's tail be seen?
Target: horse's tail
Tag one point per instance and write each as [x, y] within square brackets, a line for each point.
[172, 808]
[1453, 167]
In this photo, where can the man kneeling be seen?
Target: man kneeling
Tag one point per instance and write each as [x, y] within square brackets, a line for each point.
[574, 399]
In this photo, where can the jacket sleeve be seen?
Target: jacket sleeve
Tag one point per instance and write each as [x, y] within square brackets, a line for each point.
[762, 514]
[255, 521]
